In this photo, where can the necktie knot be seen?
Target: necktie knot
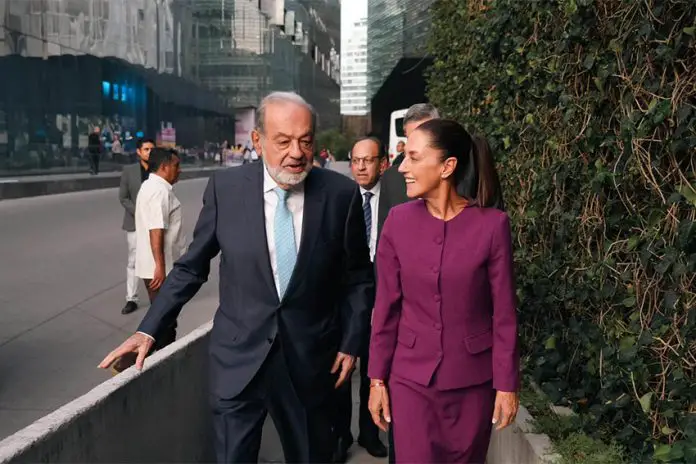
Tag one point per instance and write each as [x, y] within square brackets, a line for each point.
[368, 196]
[282, 194]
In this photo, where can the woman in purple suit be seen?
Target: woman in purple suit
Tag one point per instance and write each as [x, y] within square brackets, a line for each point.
[444, 358]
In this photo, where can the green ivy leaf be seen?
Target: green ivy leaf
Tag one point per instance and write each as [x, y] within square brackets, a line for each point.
[688, 192]
[662, 452]
[646, 402]
[550, 343]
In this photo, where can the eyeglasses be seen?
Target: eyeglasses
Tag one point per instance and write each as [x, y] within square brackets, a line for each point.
[368, 161]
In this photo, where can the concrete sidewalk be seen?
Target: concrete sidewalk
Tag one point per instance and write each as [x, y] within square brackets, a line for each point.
[33, 186]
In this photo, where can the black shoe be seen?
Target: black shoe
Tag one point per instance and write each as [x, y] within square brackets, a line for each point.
[343, 444]
[374, 447]
[130, 307]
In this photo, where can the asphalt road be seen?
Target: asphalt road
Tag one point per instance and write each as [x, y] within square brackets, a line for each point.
[62, 286]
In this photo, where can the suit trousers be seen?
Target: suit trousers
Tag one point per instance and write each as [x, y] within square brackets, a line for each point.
[94, 162]
[305, 432]
[344, 408]
[131, 279]
[441, 426]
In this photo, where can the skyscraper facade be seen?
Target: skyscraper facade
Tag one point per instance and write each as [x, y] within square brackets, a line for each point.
[397, 57]
[397, 29]
[354, 91]
[190, 72]
[123, 66]
[245, 49]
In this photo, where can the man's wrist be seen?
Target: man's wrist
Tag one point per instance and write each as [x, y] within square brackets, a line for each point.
[147, 335]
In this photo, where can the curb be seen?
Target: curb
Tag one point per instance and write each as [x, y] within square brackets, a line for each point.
[20, 189]
[519, 444]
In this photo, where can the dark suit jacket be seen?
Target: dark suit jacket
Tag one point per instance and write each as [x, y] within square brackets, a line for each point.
[392, 192]
[127, 194]
[333, 266]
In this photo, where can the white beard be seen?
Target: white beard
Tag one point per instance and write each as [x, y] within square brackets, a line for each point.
[287, 178]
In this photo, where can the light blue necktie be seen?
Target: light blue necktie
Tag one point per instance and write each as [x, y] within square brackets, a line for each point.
[285, 248]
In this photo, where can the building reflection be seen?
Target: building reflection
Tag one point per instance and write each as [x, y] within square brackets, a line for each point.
[176, 69]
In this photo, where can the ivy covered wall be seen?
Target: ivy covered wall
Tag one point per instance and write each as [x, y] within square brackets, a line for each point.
[590, 107]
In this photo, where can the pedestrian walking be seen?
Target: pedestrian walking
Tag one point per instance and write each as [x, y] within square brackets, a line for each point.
[132, 178]
[367, 164]
[160, 239]
[94, 150]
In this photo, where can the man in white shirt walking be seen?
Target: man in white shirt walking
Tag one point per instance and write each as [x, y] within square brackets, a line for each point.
[160, 240]
[368, 162]
[132, 178]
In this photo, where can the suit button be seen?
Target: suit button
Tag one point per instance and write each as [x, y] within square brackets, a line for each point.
[437, 326]
[434, 269]
[437, 298]
[270, 340]
[438, 240]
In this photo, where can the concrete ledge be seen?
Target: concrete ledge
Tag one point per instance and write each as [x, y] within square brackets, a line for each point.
[518, 444]
[34, 188]
[162, 415]
[158, 415]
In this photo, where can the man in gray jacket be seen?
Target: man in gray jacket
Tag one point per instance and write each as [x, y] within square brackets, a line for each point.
[131, 179]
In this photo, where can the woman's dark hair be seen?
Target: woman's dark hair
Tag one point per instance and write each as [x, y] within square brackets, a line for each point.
[475, 176]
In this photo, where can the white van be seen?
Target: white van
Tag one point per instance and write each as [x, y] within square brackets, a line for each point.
[396, 132]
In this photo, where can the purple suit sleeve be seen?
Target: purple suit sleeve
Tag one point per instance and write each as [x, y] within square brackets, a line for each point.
[506, 375]
[387, 311]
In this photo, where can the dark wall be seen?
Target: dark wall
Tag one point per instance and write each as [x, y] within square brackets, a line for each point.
[405, 86]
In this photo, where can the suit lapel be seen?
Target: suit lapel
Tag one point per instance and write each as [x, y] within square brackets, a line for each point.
[313, 213]
[254, 206]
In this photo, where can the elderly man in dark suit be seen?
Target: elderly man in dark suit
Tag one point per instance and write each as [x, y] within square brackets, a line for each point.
[294, 250]
[131, 179]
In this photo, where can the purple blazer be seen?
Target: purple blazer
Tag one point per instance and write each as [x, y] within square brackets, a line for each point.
[445, 311]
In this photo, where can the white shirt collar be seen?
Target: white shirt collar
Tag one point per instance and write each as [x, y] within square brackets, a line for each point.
[159, 179]
[374, 190]
[268, 182]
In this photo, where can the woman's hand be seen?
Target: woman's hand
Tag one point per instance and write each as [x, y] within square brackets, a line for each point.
[505, 410]
[379, 404]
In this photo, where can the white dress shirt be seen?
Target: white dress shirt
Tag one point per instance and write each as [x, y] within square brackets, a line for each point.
[295, 204]
[374, 204]
[156, 207]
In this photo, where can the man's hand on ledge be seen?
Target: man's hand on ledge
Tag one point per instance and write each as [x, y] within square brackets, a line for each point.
[345, 363]
[138, 343]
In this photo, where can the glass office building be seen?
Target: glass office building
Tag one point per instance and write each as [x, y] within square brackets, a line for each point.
[396, 29]
[245, 49]
[178, 70]
[69, 66]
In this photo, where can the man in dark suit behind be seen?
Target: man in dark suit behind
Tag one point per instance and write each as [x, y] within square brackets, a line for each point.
[293, 246]
[132, 178]
[393, 185]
